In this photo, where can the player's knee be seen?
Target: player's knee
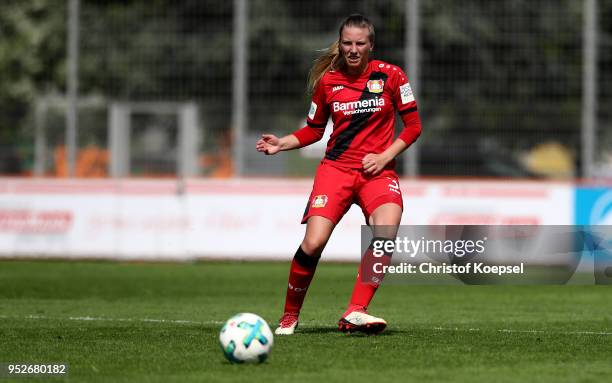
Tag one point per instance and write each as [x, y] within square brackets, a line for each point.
[387, 215]
[384, 222]
[313, 246]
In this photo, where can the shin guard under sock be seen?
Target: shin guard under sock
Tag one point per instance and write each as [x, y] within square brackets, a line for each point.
[370, 274]
[302, 270]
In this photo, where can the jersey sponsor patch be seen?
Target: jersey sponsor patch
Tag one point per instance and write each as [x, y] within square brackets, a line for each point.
[362, 106]
[406, 93]
[313, 110]
[319, 201]
[376, 86]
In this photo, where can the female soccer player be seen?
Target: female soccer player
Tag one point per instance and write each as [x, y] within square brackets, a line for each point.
[361, 96]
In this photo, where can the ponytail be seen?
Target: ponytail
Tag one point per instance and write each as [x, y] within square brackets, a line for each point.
[329, 59]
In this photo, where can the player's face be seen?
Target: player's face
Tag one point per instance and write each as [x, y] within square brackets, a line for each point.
[355, 46]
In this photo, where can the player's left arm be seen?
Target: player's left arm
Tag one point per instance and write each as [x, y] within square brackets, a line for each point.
[375, 163]
[407, 108]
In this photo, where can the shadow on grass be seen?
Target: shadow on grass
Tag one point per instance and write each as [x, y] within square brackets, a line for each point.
[334, 330]
[320, 330]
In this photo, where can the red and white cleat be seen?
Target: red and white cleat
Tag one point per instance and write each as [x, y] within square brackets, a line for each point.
[287, 324]
[361, 322]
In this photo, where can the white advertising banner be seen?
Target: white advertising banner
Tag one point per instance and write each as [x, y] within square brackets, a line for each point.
[238, 219]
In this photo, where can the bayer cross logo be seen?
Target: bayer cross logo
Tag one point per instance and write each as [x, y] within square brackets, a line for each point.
[376, 86]
[319, 201]
[255, 333]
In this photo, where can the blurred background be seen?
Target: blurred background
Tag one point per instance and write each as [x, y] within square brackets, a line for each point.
[128, 131]
[160, 88]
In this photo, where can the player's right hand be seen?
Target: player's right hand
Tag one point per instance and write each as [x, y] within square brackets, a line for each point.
[269, 144]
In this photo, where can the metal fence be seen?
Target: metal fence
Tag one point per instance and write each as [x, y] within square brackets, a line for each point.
[505, 89]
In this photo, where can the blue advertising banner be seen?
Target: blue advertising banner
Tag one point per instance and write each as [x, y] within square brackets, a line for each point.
[593, 206]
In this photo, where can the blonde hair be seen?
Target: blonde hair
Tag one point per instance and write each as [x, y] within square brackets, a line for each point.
[331, 59]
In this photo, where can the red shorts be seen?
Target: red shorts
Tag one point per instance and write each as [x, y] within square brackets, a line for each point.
[336, 188]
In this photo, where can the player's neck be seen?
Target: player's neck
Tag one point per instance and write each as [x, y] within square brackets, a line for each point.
[357, 71]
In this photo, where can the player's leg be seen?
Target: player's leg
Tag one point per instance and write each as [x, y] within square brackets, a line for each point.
[329, 200]
[384, 221]
[303, 267]
[381, 203]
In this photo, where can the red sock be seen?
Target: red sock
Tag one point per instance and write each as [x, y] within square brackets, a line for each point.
[302, 270]
[368, 280]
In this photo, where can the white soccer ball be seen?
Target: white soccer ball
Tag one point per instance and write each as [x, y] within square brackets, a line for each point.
[246, 337]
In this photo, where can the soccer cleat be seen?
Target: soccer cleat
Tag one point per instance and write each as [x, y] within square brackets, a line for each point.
[361, 322]
[287, 324]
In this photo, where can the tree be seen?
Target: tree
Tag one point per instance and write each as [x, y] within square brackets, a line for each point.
[32, 59]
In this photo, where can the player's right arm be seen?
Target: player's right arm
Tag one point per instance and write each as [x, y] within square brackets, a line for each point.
[270, 144]
[311, 133]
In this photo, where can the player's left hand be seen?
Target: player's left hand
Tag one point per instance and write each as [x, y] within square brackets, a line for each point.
[373, 163]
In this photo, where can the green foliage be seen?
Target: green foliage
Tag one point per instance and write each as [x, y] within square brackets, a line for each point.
[32, 56]
[155, 50]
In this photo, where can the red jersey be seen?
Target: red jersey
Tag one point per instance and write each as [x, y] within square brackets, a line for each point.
[362, 109]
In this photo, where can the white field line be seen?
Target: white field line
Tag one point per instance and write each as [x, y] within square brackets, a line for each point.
[214, 322]
[505, 330]
[105, 319]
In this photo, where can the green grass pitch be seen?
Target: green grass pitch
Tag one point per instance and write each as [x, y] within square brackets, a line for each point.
[131, 322]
